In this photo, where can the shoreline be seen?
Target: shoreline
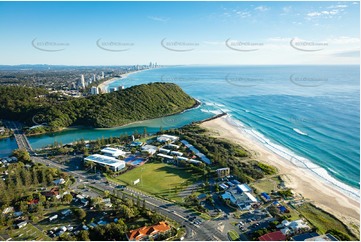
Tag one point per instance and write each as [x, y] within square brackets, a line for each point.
[301, 181]
[104, 85]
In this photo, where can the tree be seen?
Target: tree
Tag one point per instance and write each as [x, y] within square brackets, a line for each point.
[80, 213]
[67, 198]
[83, 235]
[22, 155]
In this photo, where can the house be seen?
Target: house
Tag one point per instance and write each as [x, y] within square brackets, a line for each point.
[8, 210]
[167, 138]
[21, 224]
[107, 202]
[17, 214]
[66, 212]
[150, 149]
[53, 217]
[223, 172]
[265, 196]
[147, 232]
[324, 237]
[293, 226]
[273, 236]
[113, 152]
[136, 143]
[58, 182]
[53, 192]
[303, 237]
[202, 197]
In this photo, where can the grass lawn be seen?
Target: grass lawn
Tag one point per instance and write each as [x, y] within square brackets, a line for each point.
[29, 232]
[266, 185]
[233, 235]
[323, 221]
[159, 179]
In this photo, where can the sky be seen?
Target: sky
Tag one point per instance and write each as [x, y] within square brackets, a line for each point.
[179, 33]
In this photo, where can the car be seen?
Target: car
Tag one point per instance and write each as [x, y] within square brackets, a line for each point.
[241, 223]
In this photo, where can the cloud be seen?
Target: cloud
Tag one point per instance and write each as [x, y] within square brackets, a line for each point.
[158, 19]
[279, 39]
[341, 40]
[287, 9]
[347, 53]
[261, 8]
[323, 13]
[243, 14]
[338, 6]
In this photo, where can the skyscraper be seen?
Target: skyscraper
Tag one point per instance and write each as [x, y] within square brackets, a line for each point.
[94, 90]
[82, 82]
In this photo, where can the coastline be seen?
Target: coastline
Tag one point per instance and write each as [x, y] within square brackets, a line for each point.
[104, 85]
[302, 181]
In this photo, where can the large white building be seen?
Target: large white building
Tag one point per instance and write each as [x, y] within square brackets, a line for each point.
[165, 138]
[112, 163]
[240, 196]
[113, 152]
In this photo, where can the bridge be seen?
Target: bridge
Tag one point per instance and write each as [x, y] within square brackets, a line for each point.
[21, 139]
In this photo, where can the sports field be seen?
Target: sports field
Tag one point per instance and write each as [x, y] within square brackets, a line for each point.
[159, 179]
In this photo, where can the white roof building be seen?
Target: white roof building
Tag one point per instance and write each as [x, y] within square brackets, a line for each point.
[177, 153]
[165, 156]
[164, 150]
[103, 160]
[150, 149]
[165, 138]
[113, 152]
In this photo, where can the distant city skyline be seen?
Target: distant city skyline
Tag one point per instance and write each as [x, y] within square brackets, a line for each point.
[179, 33]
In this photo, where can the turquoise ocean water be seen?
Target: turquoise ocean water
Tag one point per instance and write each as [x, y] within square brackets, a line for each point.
[308, 114]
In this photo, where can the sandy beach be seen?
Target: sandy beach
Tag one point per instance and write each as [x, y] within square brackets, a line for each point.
[103, 85]
[300, 180]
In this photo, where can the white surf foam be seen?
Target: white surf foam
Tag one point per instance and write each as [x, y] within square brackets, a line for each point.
[300, 132]
[295, 159]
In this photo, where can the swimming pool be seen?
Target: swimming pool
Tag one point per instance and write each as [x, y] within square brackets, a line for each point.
[138, 161]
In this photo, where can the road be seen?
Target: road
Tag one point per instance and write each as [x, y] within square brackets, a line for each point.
[205, 231]
[20, 137]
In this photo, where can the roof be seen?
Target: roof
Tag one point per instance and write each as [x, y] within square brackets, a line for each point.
[324, 237]
[105, 160]
[302, 237]
[138, 234]
[273, 236]
[166, 137]
[244, 188]
[265, 195]
[165, 156]
[199, 154]
[113, 151]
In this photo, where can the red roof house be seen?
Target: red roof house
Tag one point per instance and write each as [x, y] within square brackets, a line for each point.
[273, 236]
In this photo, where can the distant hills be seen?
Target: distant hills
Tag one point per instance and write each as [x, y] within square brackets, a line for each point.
[146, 101]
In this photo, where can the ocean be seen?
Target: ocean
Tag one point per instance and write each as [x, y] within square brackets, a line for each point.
[308, 114]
